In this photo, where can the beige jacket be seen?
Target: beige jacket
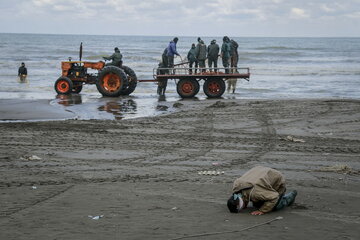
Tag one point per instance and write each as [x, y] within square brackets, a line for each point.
[262, 186]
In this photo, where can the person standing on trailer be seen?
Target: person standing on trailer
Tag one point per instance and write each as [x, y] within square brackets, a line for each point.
[22, 72]
[234, 55]
[213, 54]
[200, 53]
[225, 53]
[192, 59]
[171, 52]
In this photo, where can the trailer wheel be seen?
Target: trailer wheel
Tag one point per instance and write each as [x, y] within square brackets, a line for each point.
[110, 81]
[77, 89]
[132, 81]
[188, 88]
[214, 88]
[63, 85]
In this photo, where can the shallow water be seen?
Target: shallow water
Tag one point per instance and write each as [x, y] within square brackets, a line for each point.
[280, 68]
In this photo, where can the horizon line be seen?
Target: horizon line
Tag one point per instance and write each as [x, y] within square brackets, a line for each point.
[139, 35]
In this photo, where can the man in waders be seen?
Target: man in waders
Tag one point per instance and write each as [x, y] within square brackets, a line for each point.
[213, 54]
[22, 72]
[264, 187]
[225, 53]
[201, 54]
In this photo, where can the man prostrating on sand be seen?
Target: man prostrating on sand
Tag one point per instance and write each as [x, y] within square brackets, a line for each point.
[264, 187]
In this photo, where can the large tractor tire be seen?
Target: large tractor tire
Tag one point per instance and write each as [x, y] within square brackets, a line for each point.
[187, 88]
[214, 87]
[77, 88]
[110, 81]
[63, 85]
[132, 81]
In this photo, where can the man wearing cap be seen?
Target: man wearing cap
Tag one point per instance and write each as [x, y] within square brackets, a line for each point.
[213, 54]
[116, 58]
[264, 187]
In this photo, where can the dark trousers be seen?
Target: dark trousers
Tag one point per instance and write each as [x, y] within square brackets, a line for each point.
[212, 61]
[225, 61]
[162, 87]
[202, 64]
[191, 66]
[234, 61]
[171, 64]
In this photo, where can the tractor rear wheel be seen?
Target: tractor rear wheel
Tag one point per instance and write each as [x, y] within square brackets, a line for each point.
[111, 81]
[77, 88]
[132, 81]
[63, 85]
[188, 88]
[214, 87]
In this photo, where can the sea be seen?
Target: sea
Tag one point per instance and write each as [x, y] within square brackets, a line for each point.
[281, 68]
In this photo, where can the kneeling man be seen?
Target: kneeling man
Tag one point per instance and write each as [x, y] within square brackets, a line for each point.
[264, 187]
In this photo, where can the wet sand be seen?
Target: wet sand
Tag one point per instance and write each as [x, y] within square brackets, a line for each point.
[141, 175]
[32, 110]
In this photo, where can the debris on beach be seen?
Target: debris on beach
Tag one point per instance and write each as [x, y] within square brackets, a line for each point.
[162, 108]
[177, 105]
[218, 104]
[211, 172]
[339, 168]
[292, 139]
[96, 217]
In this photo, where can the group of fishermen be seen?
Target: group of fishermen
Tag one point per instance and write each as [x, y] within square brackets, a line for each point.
[197, 56]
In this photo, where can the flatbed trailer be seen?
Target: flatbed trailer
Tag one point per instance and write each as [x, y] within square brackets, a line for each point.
[187, 80]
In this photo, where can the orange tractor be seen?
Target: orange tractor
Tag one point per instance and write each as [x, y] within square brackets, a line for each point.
[111, 81]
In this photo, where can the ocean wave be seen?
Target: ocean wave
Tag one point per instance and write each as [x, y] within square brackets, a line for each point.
[288, 48]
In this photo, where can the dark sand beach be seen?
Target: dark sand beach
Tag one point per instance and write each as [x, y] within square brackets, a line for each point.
[141, 176]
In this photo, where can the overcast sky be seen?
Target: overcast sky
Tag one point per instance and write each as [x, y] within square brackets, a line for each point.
[274, 18]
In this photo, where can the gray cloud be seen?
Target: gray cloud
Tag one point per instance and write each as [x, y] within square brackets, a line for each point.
[183, 17]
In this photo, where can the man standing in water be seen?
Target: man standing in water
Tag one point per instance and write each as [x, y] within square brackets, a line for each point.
[264, 187]
[22, 72]
[116, 58]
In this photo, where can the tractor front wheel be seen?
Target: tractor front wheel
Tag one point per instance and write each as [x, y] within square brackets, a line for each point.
[63, 85]
[188, 88]
[111, 81]
[214, 88]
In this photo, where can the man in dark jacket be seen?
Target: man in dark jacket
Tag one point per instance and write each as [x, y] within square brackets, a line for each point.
[213, 53]
[162, 84]
[192, 59]
[22, 72]
[264, 187]
[225, 53]
[116, 58]
[171, 52]
[200, 53]
[234, 55]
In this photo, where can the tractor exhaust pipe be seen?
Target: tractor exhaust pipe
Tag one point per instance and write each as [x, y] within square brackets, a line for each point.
[80, 52]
